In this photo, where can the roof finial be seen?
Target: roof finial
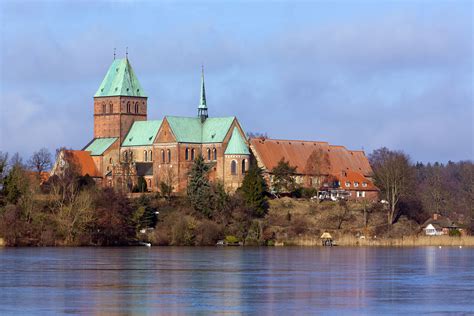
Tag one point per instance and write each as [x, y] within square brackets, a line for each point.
[126, 52]
[114, 53]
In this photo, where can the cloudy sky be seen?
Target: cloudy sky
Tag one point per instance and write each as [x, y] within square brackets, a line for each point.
[363, 74]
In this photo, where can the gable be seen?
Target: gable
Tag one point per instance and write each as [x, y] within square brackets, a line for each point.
[237, 145]
[165, 134]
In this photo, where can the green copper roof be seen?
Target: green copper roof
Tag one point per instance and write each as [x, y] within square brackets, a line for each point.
[191, 130]
[100, 145]
[237, 145]
[142, 133]
[120, 80]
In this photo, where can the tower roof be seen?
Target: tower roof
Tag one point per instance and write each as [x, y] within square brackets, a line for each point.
[120, 80]
[202, 100]
[237, 145]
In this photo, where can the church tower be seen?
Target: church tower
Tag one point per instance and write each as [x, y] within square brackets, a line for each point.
[202, 108]
[119, 101]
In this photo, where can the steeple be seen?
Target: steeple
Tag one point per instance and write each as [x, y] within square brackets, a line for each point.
[120, 80]
[202, 108]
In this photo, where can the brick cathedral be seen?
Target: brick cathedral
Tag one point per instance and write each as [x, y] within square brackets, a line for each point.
[126, 145]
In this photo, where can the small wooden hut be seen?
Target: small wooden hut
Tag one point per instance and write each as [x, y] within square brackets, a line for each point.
[326, 239]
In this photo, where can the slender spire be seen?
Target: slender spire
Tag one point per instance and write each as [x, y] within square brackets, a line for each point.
[114, 53]
[202, 108]
[126, 52]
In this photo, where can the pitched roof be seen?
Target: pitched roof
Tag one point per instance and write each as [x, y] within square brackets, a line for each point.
[192, 130]
[351, 177]
[99, 145]
[83, 160]
[120, 80]
[297, 152]
[237, 145]
[142, 133]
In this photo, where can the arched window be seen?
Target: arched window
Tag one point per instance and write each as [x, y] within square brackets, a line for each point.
[192, 154]
[125, 156]
[110, 160]
[150, 155]
[145, 155]
[103, 108]
[162, 156]
[169, 156]
[233, 167]
[243, 166]
[136, 107]
[111, 108]
[208, 154]
[186, 154]
[214, 154]
[131, 155]
[128, 107]
[149, 184]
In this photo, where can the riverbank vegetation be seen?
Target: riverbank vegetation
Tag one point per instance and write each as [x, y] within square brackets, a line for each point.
[70, 210]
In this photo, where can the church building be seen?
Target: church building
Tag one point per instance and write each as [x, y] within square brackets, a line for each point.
[127, 146]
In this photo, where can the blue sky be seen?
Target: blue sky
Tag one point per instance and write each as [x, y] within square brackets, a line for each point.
[363, 74]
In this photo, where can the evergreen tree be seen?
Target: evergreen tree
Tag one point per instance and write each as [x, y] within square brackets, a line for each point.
[199, 188]
[283, 180]
[254, 190]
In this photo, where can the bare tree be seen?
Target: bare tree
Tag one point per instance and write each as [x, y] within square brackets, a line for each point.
[40, 161]
[167, 185]
[317, 165]
[393, 175]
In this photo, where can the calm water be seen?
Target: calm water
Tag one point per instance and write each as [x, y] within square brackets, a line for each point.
[236, 280]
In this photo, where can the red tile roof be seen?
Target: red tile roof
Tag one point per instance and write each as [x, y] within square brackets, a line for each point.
[297, 152]
[352, 178]
[83, 159]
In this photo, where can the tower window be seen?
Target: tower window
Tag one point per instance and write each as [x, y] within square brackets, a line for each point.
[208, 154]
[150, 155]
[111, 108]
[243, 166]
[103, 108]
[136, 107]
[214, 153]
[186, 154]
[128, 107]
[125, 156]
[233, 167]
[131, 155]
[169, 156]
[162, 156]
[193, 151]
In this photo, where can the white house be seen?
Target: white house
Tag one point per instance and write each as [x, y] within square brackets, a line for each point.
[430, 230]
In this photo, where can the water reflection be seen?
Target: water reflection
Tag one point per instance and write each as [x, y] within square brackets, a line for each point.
[236, 280]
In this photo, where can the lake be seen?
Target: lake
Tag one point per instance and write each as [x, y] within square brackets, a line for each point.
[280, 281]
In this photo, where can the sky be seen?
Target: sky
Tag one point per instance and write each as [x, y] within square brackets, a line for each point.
[363, 74]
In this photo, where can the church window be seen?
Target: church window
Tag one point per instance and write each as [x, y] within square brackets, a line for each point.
[243, 166]
[131, 155]
[125, 156]
[145, 155]
[186, 154]
[136, 107]
[103, 108]
[169, 156]
[193, 151]
[110, 160]
[150, 155]
[128, 107]
[111, 108]
[233, 167]
[162, 156]
[149, 184]
[214, 153]
[208, 154]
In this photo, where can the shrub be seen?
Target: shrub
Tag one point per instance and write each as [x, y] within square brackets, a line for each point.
[231, 239]
[455, 233]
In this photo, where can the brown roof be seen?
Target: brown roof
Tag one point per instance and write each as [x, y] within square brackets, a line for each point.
[352, 177]
[84, 161]
[297, 152]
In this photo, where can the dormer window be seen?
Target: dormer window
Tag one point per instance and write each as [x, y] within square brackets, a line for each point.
[364, 184]
[348, 184]
[356, 184]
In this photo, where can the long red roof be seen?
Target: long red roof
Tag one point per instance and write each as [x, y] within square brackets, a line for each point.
[297, 152]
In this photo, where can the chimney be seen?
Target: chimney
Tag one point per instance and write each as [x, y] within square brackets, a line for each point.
[435, 216]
